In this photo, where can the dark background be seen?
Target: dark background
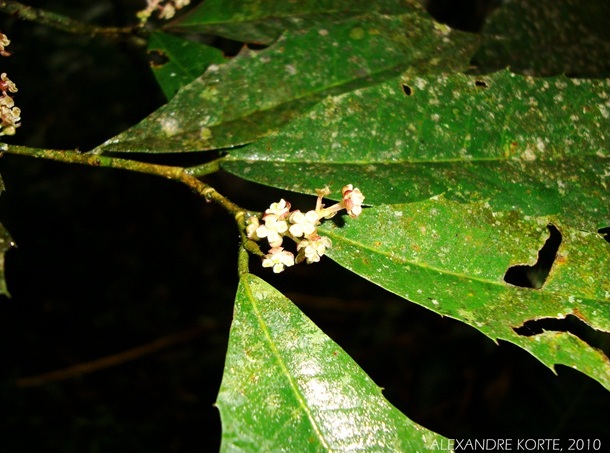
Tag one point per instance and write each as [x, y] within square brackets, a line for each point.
[108, 260]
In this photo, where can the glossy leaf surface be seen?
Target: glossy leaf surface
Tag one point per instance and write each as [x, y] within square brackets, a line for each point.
[539, 145]
[176, 61]
[452, 259]
[287, 386]
[263, 22]
[258, 92]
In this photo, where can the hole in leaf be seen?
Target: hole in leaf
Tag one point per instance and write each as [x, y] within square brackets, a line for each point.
[407, 90]
[535, 276]
[605, 232]
[156, 58]
[480, 84]
[571, 323]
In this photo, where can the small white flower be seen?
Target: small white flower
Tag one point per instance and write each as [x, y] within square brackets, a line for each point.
[272, 230]
[303, 224]
[278, 258]
[352, 200]
[181, 3]
[166, 11]
[279, 209]
[313, 249]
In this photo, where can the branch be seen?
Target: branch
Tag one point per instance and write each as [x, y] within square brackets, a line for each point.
[178, 174]
[61, 22]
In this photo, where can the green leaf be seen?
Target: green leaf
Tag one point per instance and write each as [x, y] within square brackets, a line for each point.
[548, 37]
[258, 92]
[263, 21]
[286, 385]
[5, 244]
[452, 258]
[178, 61]
[539, 145]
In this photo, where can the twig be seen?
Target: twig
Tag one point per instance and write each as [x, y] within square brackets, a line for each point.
[179, 174]
[111, 360]
[63, 23]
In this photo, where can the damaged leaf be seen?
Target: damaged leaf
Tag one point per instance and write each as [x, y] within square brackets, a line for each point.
[452, 258]
[257, 93]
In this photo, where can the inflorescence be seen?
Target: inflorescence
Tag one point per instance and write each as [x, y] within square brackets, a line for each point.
[279, 222]
[166, 9]
[10, 115]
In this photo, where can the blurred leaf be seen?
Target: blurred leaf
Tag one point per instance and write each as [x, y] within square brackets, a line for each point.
[540, 145]
[258, 92]
[548, 37]
[6, 243]
[452, 258]
[176, 61]
[263, 21]
[286, 384]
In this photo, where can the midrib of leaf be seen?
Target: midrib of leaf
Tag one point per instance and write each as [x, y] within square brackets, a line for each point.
[552, 297]
[448, 160]
[176, 61]
[389, 255]
[295, 389]
[401, 260]
[269, 17]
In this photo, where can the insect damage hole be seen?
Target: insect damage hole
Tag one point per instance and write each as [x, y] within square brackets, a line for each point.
[157, 58]
[595, 338]
[535, 276]
[407, 90]
[480, 84]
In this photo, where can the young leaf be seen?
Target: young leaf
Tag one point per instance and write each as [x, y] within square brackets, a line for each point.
[452, 258]
[548, 37]
[263, 21]
[176, 61]
[540, 145]
[287, 385]
[258, 92]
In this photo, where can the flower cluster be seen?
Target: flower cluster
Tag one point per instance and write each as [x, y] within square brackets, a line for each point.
[10, 115]
[166, 9]
[279, 222]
